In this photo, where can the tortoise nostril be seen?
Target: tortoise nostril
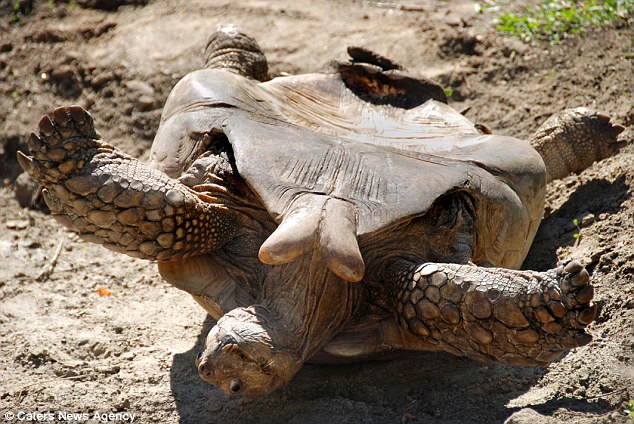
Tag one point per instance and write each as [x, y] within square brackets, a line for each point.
[205, 373]
[235, 386]
[204, 369]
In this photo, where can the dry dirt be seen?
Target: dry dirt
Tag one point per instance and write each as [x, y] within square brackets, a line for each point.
[66, 349]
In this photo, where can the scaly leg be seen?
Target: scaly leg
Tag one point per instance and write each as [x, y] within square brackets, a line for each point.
[113, 199]
[570, 141]
[494, 314]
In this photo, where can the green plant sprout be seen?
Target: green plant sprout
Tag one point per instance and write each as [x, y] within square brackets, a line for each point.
[577, 234]
[553, 20]
[20, 8]
[629, 409]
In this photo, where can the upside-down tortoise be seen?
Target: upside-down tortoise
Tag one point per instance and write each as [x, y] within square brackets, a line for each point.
[331, 216]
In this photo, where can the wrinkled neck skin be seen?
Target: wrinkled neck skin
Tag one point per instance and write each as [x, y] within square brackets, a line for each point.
[253, 351]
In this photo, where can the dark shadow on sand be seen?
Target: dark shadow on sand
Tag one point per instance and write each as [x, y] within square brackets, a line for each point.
[433, 387]
[557, 228]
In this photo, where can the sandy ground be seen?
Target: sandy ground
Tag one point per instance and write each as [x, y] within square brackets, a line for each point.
[66, 349]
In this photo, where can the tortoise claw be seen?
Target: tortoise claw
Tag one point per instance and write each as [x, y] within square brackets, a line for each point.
[26, 162]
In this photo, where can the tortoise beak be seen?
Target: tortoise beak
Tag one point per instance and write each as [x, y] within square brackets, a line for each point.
[199, 357]
[205, 367]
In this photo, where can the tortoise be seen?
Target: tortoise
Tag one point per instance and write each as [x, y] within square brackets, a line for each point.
[333, 216]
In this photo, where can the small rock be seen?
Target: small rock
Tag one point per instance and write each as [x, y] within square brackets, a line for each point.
[63, 73]
[108, 369]
[144, 94]
[123, 405]
[98, 349]
[587, 219]
[511, 46]
[146, 102]
[128, 356]
[27, 192]
[87, 103]
[17, 224]
[48, 35]
[140, 87]
[525, 416]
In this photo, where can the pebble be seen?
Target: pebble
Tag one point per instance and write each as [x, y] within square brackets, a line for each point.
[128, 356]
[17, 224]
[144, 93]
[587, 219]
[146, 102]
[140, 87]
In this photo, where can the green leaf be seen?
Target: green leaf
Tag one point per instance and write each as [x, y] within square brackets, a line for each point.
[576, 235]
[552, 20]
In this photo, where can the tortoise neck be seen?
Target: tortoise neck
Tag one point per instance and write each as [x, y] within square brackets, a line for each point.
[311, 302]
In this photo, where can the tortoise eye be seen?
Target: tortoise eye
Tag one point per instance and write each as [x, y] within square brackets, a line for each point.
[235, 386]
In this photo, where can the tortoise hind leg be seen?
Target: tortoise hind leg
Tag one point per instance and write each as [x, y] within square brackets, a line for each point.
[230, 49]
[570, 141]
[494, 314]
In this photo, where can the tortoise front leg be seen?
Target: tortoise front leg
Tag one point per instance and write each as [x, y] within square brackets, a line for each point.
[113, 199]
[494, 314]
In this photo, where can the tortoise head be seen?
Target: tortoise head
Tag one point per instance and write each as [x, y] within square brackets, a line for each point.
[243, 356]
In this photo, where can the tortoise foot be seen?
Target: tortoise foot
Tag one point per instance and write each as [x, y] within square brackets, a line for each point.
[112, 199]
[565, 303]
[494, 314]
[570, 141]
[67, 139]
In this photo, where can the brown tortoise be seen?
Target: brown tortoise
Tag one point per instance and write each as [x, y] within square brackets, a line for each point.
[331, 217]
